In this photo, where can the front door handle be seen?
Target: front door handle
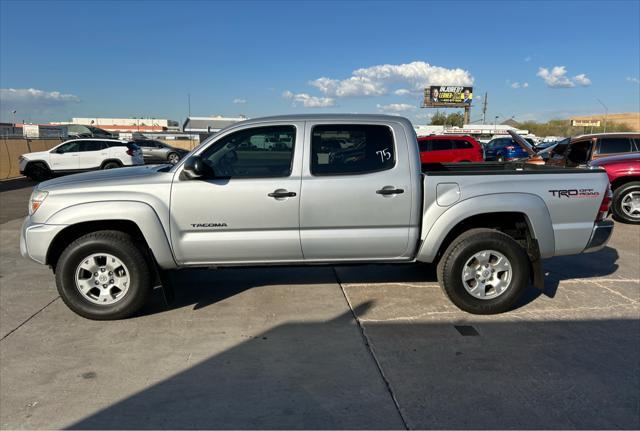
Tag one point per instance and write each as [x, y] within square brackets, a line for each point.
[281, 193]
[389, 190]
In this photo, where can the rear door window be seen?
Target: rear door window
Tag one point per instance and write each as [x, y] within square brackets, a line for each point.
[90, 146]
[363, 149]
[461, 144]
[441, 144]
[614, 145]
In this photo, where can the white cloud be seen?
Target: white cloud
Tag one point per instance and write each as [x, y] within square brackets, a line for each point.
[519, 85]
[239, 101]
[396, 107]
[376, 80]
[633, 80]
[527, 58]
[557, 78]
[32, 95]
[309, 101]
[402, 92]
[582, 80]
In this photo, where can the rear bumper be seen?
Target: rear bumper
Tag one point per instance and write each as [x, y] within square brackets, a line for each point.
[600, 235]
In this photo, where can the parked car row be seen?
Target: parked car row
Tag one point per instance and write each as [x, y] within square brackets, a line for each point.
[81, 155]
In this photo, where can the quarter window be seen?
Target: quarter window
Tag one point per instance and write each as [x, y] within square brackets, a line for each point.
[351, 149]
[259, 152]
[614, 145]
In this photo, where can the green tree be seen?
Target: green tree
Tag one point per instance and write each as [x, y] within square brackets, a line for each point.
[438, 119]
[441, 119]
[455, 119]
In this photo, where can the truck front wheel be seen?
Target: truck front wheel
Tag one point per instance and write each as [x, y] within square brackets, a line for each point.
[484, 271]
[103, 275]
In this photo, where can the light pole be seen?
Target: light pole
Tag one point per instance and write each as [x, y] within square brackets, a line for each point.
[606, 114]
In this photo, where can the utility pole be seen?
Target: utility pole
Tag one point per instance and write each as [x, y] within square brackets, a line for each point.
[189, 103]
[484, 108]
[606, 114]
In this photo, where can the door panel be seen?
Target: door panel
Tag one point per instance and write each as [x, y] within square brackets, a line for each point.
[92, 153]
[347, 215]
[238, 218]
[68, 160]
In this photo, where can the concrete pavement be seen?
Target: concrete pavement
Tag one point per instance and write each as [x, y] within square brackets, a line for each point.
[281, 348]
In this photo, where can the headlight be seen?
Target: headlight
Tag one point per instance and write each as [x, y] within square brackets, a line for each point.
[36, 199]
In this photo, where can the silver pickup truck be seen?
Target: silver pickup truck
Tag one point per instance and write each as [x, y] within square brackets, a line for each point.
[312, 189]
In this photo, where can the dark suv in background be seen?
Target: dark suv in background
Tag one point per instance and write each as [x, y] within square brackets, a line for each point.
[159, 152]
[585, 148]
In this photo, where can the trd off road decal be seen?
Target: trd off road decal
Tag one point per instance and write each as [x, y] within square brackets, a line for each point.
[575, 193]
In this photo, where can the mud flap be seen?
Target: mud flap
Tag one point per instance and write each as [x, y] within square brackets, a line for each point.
[537, 274]
[166, 285]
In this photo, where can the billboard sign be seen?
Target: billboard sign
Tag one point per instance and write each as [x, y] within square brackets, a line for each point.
[448, 95]
[585, 123]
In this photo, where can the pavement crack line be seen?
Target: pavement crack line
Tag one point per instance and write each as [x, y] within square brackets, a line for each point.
[369, 348]
[29, 318]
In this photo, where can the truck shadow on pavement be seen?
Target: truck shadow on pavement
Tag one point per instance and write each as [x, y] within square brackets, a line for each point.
[321, 375]
[201, 287]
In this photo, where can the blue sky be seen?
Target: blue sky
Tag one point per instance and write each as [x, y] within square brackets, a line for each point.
[132, 59]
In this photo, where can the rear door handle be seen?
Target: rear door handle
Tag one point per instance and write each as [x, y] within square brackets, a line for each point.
[389, 190]
[281, 193]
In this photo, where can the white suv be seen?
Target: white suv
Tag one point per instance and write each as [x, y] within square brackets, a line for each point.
[80, 155]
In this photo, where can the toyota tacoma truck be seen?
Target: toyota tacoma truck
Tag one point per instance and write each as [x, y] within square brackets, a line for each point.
[274, 191]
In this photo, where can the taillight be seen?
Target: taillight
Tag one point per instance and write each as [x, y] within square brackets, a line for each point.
[130, 152]
[603, 211]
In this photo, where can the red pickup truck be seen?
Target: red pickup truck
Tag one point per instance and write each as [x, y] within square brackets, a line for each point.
[624, 176]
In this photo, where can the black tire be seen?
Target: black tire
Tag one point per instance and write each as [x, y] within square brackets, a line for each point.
[451, 266]
[38, 171]
[111, 165]
[619, 195]
[120, 245]
[173, 156]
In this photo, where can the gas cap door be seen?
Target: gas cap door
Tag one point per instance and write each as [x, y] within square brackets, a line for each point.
[447, 194]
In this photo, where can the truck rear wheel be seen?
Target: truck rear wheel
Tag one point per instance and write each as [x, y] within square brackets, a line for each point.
[484, 271]
[626, 203]
[103, 276]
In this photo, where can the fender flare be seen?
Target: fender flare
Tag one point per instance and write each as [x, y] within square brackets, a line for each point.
[140, 213]
[532, 206]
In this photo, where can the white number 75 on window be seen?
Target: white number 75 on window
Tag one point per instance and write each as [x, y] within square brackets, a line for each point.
[384, 154]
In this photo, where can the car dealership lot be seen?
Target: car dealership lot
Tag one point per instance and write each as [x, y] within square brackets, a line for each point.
[280, 348]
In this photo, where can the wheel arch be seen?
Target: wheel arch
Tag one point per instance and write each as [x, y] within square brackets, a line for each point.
[523, 216]
[134, 218]
[111, 160]
[621, 181]
[33, 162]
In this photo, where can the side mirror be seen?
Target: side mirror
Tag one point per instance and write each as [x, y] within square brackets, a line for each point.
[195, 168]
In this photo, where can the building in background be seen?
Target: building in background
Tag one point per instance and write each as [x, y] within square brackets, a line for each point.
[631, 119]
[129, 125]
[206, 126]
[480, 132]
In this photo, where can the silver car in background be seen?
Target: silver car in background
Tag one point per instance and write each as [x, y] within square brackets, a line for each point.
[159, 152]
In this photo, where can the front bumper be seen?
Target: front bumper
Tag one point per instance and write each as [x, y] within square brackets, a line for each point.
[600, 236]
[35, 239]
